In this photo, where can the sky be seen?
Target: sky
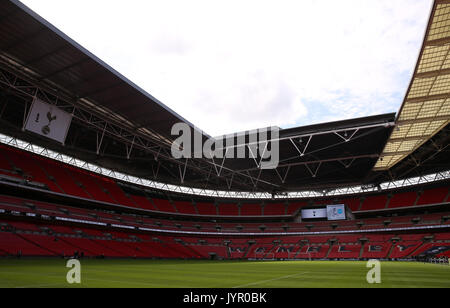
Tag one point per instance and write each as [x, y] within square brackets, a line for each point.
[230, 66]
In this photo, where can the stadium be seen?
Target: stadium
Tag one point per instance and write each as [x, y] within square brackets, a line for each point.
[87, 173]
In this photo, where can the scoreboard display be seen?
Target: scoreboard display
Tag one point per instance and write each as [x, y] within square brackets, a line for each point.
[314, 213]
[330, 212]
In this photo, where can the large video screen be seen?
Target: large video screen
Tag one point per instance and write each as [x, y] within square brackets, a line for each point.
[336, 212]
[330, 212]
[314, 213]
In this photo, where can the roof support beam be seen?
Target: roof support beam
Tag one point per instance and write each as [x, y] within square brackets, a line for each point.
[393, 140]
[318, 133]
[155, 172]
[219, 171]
[182, 174]
[253, 156]
[302, 153]
[345, 138]
[313, 172]
[374, 156]
[257, 179]
[427, 98]
[423, 120]
[395, 153]
[129, 148]
[230, 181]
[438, 42]
[433, 73]
[283, 179]
[100, 140]
[389, 184]
[347, 165]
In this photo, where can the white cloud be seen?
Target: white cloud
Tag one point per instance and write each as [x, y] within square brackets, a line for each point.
[236, 65]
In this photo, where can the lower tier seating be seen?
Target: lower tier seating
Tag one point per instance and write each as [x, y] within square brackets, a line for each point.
[30, 239]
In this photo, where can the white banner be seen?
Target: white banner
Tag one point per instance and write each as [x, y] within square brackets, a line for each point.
[336, 212]
[48, 120]
[314, 213]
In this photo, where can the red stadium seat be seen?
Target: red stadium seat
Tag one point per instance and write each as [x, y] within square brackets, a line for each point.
[433, 196]
[185, 207]
[403, 199]
[374, 203]
[206, 209]
[274, 209]
[251, 209]
[228, 209]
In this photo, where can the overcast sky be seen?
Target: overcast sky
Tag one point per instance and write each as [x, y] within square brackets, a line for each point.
[229, 66]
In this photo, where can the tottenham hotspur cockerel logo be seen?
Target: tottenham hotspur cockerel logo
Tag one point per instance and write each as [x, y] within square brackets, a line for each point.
[46, 128]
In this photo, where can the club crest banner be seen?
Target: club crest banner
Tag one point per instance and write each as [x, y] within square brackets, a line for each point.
[48, 121]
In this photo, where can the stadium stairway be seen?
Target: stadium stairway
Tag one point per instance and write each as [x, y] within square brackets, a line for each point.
[246, 254]
[116, 250]
[28, 239]
[418, 248]
[228, 253]
[362, 250]
[193, 252]
[329, 250]
[390, 251]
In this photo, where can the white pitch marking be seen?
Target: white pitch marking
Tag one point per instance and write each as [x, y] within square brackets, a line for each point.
[274, 279]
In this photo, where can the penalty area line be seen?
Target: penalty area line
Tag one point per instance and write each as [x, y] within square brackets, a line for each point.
[268, 280]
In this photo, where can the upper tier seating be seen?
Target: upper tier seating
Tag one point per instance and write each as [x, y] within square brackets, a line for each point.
[206, 209]
[431, 196]
[164, 205]
[403, 199]
[185, 207]
[274, 209]
[64, 180]
[67, 179]
[353, 203]
[144, 203]
[251, 209]
[294, 207]
[28, 164]
[92, 186]
[228, 209]
[374, 203]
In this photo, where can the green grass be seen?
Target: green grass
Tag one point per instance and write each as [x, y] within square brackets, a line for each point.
[219, 274]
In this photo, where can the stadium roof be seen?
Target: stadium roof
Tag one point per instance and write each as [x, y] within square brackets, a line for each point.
[119, 126]
[53, 57]
[426, 107]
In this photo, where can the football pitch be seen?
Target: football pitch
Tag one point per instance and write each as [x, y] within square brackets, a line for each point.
[110, 273]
